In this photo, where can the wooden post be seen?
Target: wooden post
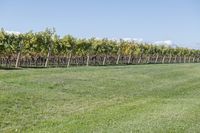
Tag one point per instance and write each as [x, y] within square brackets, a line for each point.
[118, 57]
[48, 55]
[189, 59]
[69, 59]
[180, 60]
[175, 59]
[104, 60]
[163, 61]
[129, 59]
[156, 58]
[18, 55]
[170, 58]
[88, 58]
[140, 59]
[184, 59]
[149, 57]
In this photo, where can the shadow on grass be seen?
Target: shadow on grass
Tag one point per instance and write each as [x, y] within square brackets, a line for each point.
[20, 68]
[74, 66]
[10, 68]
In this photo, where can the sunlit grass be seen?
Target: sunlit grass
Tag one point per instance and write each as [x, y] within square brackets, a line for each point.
[141, 98]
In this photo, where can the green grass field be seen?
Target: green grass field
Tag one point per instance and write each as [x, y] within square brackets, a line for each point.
[140, 98]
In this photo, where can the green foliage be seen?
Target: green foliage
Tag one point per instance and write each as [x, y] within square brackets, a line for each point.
[69, 43]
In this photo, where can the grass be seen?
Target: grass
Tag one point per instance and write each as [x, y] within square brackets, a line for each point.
[140, 98]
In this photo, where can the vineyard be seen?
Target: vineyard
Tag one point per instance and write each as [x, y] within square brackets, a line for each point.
[47, 49]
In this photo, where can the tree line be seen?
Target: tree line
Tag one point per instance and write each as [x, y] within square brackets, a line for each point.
[47, 49]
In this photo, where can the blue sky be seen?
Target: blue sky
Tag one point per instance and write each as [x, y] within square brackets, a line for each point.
[152, 20]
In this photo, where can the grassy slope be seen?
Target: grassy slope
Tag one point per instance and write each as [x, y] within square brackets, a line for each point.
[143, 98]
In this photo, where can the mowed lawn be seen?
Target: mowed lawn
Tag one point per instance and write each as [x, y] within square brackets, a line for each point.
[138, 98]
